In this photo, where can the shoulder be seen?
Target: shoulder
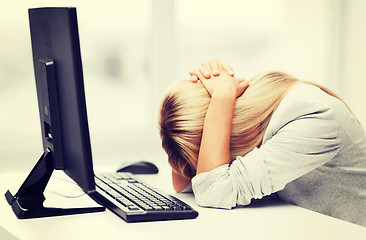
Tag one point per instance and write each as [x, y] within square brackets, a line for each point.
[304, 101]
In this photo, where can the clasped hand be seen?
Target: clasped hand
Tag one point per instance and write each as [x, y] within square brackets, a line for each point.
[218, 78]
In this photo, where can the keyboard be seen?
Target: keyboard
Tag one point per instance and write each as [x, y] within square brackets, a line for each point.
[135, 201]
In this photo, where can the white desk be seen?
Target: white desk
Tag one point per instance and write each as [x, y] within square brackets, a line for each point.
[266, 222]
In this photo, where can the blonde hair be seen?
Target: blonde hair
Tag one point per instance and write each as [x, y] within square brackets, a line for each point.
[183, 111]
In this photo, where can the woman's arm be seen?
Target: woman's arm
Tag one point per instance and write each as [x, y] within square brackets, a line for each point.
[303, 136]
[215, 143]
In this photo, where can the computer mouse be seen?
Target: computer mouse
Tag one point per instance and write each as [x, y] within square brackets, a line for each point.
[139, 167]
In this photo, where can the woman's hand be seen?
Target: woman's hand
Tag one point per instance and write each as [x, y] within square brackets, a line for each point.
[224, 83]
[212, 67]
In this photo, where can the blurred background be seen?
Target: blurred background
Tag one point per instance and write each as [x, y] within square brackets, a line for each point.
[133, 50]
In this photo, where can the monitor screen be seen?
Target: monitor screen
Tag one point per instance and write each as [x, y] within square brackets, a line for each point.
[60, 92]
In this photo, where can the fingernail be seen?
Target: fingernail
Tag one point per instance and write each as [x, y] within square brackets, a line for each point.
[231, 73]
[207, 75]
[216, 72]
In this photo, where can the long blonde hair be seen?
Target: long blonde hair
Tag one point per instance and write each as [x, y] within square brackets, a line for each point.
[183, 111]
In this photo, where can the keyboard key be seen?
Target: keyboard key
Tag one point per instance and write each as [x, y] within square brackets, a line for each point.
[133, 208]
[148, 208]
[166, 208]
[113, 193]
[156, 208]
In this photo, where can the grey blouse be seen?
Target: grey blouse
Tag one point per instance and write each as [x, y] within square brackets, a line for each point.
[313, 155]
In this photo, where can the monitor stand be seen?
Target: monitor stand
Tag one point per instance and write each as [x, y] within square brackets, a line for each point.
[28, 201]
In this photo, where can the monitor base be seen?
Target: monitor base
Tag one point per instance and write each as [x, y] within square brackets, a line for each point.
[28, 201]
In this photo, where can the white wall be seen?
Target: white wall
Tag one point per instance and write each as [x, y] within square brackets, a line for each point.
[354, 73]
[132, 50]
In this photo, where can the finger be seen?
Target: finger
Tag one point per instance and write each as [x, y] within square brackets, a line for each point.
[195, 76]
[216, 66]
[244, 84]
[197, 73]
[205, 70]
[194, 79]
[202, 79]
[240, 80]
[242, 87]
[227, 68]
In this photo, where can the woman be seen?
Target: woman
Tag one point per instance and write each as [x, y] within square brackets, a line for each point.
[236, 141]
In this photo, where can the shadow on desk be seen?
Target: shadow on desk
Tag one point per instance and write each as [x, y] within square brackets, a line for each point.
[6, 235]
[267, 201]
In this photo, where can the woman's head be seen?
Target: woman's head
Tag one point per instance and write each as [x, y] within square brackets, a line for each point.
[181, 122]
[184, 108]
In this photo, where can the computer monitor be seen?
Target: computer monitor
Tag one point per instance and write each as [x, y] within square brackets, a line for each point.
[62, 109]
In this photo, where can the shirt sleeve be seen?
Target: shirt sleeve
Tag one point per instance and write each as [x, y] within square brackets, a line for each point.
[298, 147]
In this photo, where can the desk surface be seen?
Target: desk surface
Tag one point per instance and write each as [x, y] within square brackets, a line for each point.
[271, 221]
